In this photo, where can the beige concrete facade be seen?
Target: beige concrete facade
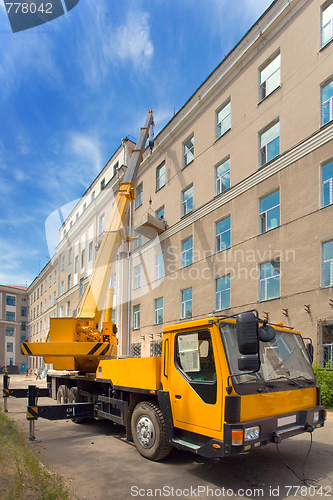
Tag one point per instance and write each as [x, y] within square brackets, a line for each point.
[13, 326]
[272, 131]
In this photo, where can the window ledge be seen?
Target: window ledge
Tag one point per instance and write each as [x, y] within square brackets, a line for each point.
[268, 300]
[138, 206]
[222, 192]
[187, 164]
[186, 215]
[269, 230]
[327, 124]
[159, 189]
[268, 95]
[326, 44]
[270, 161]
[220, 137]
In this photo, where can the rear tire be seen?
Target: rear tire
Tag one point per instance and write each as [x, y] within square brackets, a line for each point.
[73, 398]
[62, 395]
[149, 431]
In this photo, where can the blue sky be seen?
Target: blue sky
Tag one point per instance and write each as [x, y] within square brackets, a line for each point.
[72, 88]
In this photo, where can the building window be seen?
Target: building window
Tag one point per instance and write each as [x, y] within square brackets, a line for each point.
[223, 234]
[90, 251]
[160, 176]
[83, 256]
[139, 195]
[270, 280]
[10, 347]
[69, 281]
[188, 150]
[223, 293]
[223, 176]
[41, 307]
[187, 202]
[160, 213]
[137, 277]
[327, 24]
[270, 76]
[269, 143]
[70, 256]
[270, 212]
[81, 287]
[156, 348]
[102, 184]
[92, 195]
[328, 263]
[186, 306]
[76, 264]
[62, 262]
[23, 311]
[10, 316]
[101, 223]
[115, 168]
[37, 293]
[61, 311]
[136, 317]
[327, 102]
[327, 180]
[45, 285]
[10, 300]
[160, 266]
[54, 298]
[158, 317]
[84, 206]
[55, 276]
[187, 252]
[68, 309]
[77, 216]
[37, 310]
[223, 119]
[49, 300]
[137, 243]
[41, 289]
[23, 326]
[10, 332]
[50, 280]
[62, 290]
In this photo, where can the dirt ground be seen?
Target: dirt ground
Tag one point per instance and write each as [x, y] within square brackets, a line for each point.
[97, 462]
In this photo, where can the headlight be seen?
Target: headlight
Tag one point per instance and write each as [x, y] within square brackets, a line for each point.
[251, 433]
[316, 416]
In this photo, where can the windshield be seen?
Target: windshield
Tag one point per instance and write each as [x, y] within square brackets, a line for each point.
[284, 362]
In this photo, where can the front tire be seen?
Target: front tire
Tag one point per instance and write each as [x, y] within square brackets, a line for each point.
[149, 431]
[62, 395]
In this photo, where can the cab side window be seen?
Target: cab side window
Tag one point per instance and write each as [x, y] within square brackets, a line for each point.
[195, 357]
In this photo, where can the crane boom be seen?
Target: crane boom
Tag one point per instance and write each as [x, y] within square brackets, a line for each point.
[61, 349]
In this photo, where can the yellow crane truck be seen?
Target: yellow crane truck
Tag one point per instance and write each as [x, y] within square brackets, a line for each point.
[223, 385]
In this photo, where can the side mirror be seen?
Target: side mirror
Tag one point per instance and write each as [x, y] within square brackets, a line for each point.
[247, 333]
[266, 333]
[249, 363]
[309, 348]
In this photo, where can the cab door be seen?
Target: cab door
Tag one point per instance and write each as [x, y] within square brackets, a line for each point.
[195, 382]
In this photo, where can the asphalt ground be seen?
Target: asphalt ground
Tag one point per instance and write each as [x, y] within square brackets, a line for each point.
[97, 462]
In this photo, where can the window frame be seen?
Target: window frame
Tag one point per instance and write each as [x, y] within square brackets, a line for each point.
[220, 178]
[139, 195]
[183, 314]
[219, 293]
[137, 276]
[261, 148]
[265, 212]
[185, 252]
[136, 316]
[330, 261]
[328, 182]
[323, 8]
[156, 311]
[263, 67]
[266, 279]
[217, 235]
[188, 150]
[328, 101]
[160, 177]
[159, 266]
[219, 132]
[184, 202]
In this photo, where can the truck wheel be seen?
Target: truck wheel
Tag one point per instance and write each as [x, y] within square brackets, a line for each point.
[149, 433]
[62, 395]
[73, 398]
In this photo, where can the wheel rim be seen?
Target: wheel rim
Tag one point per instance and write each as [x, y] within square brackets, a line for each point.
[145, 432]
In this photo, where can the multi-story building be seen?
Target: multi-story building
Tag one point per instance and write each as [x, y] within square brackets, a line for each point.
[242, 177]
[13, 327]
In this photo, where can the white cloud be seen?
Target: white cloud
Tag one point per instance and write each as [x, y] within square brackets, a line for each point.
[86, 148]
[13, 256]
[132, 40]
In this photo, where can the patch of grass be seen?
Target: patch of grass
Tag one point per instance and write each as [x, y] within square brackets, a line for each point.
[22, 476]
